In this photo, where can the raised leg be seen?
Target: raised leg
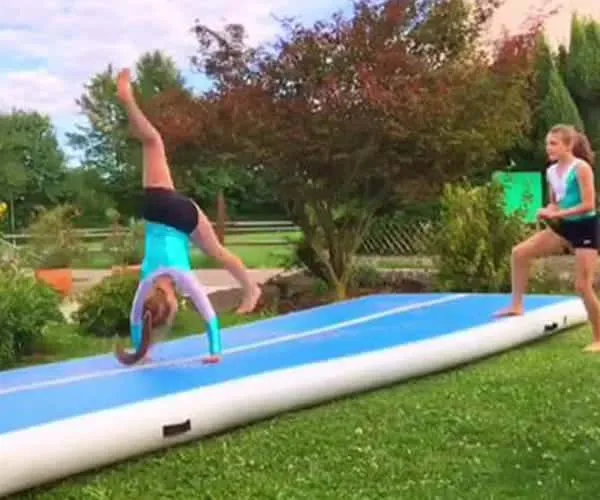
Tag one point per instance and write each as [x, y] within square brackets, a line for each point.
[205, 237]
[156, 168]
[541, 244]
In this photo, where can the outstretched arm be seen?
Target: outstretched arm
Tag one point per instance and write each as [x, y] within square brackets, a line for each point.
[187, 282]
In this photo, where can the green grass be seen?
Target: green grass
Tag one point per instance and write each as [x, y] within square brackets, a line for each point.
[523, 425]
[271, 252]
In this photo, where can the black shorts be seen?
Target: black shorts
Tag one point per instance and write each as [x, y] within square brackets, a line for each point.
[168, 207]
[580, 233]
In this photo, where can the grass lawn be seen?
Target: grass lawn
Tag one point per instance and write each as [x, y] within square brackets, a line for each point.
[524, 425]
[257, 251]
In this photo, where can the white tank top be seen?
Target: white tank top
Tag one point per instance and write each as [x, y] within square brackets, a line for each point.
[558, 182]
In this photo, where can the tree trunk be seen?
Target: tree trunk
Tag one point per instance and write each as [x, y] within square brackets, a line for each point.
[341, 290]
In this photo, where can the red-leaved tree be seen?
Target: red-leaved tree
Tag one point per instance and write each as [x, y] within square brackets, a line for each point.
[394, 100]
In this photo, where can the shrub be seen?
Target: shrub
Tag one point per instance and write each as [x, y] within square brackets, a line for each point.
[26, 308]
[7, 349]
[104, 309]
[125, 244]
[54, 240]
[473, 245]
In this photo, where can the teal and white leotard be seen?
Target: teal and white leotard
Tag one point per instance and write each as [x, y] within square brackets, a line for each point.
[581, 230]
[168, 253]
[567, 191]
[166, 247]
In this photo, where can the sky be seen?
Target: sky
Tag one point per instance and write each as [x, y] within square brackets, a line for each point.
[50, 48]
[513, 12]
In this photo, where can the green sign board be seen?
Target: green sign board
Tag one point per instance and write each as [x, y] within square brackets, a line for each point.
[522, 191]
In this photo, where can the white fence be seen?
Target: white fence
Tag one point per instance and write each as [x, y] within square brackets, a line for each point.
[231, 228]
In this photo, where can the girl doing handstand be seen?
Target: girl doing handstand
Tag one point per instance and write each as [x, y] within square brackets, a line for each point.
[171, 222]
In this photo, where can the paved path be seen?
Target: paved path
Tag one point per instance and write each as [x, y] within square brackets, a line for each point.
[212, 279]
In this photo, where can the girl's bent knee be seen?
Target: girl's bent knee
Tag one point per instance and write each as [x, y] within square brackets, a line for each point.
[518, 253]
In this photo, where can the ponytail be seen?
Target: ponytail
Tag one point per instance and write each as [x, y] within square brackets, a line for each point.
[583, 149]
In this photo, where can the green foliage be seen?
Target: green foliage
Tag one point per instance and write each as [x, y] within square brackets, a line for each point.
[104, 309]
[85, 188]
[32, 164]
[582, 75]
[54, 240]
[125, 244]
[475, 239]
[350, 135]
[551, 103]
[557, 104]
[248, 190]
[583, 63]
[566, 90]
[26, 308]
[7, 349]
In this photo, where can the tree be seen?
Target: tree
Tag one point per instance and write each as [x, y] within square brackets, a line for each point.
[352, 112]
[565, 89]
[84, 188]
[32, 164]
[105, 140]
[582, 74]
[551, 103]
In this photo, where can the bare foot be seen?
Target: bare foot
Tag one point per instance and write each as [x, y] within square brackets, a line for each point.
[250, 300]
[509, 311]
[124, 91]
[593, 347]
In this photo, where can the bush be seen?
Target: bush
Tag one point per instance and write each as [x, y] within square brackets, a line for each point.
[475, 239]
[104, 309]
[54, 241]
[26, 308]
[125, 244]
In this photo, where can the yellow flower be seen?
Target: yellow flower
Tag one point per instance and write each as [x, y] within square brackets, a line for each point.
[3, 208]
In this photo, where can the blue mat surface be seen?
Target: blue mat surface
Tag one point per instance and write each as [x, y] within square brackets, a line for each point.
[41, 394]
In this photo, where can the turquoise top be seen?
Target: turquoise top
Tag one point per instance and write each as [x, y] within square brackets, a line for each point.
[567, 190]
[165, 247]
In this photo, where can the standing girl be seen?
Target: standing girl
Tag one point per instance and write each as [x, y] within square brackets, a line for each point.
[572, 223]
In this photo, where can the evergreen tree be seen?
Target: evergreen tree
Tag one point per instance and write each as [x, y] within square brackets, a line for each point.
[556, 103]
[552, 104]
[582, 75]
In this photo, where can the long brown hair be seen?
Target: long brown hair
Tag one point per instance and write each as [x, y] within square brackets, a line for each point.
[156, 311]
[132, 357]
[579, 142]
[157, 305]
